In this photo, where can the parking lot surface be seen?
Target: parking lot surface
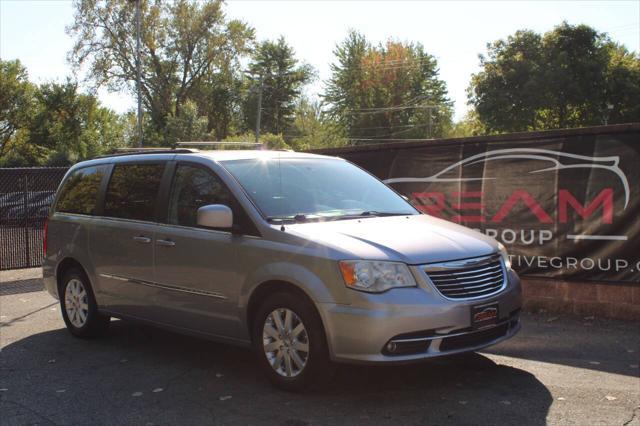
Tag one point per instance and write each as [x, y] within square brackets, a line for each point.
[558, 370]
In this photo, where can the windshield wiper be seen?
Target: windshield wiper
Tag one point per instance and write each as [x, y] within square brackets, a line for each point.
[300, 218]
[371, 213]
[375, 213]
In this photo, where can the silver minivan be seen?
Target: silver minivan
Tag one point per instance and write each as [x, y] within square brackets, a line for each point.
[307, 258]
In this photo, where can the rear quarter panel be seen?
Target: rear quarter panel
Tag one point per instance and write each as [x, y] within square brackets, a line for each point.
[68, 237]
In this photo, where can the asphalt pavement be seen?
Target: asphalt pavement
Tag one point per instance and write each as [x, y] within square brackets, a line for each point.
[560, 369]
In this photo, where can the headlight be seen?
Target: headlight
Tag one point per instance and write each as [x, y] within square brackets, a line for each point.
[505, 255]
[374, 276]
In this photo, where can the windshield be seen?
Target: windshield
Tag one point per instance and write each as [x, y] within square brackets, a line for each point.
[292, 189]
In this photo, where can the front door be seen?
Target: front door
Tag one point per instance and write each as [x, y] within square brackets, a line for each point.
[196, 267]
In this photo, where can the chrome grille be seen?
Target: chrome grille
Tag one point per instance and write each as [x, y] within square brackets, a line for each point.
[468, 279]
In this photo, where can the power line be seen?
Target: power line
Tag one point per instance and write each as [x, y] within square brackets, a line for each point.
[394, 67]
[399, 65]
[406, 105]
[389, 109]
[413, 127]
[390, 140]
[385, 127]
[391, 61]
[402, 62]
[418, 126]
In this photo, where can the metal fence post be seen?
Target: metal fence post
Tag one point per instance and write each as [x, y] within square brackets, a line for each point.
[25, 212]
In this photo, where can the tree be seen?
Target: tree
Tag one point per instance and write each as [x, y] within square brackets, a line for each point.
[269, 140]
[219, 99]
[16, 100]
[190, 126]
[572, 76]
[274, 70]
[52, 123]
[468, 126]
[72, 126]
[185, 44]
[506, 93]
[574, 68]
[313, 128]
[622, 90]
[346, 89]
[389, 91]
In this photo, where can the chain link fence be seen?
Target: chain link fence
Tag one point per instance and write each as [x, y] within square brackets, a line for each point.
[25, 197]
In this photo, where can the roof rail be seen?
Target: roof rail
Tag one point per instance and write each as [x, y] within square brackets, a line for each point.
[139, 151]
[198, 143]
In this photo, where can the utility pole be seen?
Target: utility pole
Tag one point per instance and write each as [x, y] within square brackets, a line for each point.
[139, 70]
[259, 113]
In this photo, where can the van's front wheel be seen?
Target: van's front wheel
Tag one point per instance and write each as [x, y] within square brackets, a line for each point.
[290, 344]
[79, 307]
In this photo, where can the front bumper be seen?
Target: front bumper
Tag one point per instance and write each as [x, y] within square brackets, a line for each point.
[360, 332]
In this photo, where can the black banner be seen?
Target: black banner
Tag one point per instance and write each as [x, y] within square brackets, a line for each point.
[565, 203]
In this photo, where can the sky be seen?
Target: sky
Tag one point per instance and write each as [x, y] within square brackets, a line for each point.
[455, 32]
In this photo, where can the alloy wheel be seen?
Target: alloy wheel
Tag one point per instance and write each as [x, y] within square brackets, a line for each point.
[285, 342]
[76, 303]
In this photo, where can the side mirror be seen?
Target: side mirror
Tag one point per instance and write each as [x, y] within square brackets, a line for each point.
[215, 216]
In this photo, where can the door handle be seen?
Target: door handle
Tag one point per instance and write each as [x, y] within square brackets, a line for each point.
[142, 239]
[165, 243]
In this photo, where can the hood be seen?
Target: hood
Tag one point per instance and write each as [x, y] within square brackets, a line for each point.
[411, 239]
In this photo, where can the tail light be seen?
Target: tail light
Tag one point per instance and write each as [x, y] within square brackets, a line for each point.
[44, 240]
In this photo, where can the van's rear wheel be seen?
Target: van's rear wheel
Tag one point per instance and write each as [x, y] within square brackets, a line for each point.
[78, 306]
[290, 343]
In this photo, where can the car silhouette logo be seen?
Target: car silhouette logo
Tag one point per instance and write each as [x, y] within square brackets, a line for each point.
[557, 161]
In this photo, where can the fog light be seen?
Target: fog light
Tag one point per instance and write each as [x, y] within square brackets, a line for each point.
[391, 347]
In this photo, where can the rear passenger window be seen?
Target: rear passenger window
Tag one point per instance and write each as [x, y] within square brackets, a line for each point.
[133, 191]
[194, 187]
[80, 191]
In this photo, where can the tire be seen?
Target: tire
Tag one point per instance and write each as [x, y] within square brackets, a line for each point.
[82, 318]
[316, 368]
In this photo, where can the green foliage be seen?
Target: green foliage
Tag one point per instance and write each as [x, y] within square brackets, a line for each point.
[622, 85]
[274, 70]
[16, 100]
[507, 91]
[189, 126]
[187, 46]
[20, 152]
[219, 99]
[566, 78]
[194, 87]
[72, 126]
[470, 125]
[389, 91]
[272, 141]
[269, 140]
[54, 124]
[313, 128]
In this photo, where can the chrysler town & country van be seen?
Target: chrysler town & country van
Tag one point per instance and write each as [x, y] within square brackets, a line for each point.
[308, 259]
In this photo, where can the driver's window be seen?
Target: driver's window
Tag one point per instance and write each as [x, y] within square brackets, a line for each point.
[192, 188]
